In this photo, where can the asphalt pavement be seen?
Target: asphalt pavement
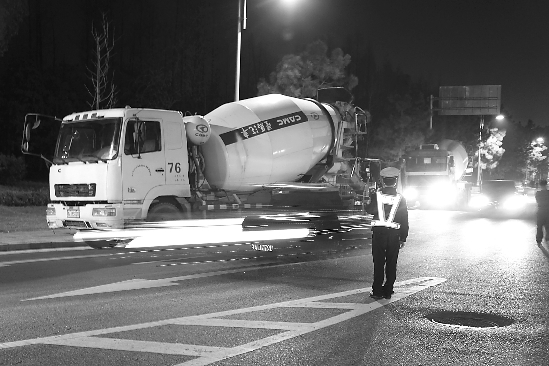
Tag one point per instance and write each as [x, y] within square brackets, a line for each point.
[166, 307]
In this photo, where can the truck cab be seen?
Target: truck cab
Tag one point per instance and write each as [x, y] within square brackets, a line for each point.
[432, 177]
[112, 166]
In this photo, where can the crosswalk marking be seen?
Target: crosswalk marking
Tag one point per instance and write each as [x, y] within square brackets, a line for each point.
[206, 355]
[137, 346]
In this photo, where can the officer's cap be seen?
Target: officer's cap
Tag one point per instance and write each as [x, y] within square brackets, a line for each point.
[389, 172]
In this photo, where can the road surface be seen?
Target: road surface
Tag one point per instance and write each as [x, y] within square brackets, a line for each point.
[471, 290]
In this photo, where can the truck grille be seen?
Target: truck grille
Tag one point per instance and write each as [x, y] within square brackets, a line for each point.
[75, 190]
[76, 224]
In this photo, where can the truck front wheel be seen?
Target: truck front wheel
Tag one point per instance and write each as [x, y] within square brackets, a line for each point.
[164, 211]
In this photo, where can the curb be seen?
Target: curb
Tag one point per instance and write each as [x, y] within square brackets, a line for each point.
[34, 246]
[41, 239]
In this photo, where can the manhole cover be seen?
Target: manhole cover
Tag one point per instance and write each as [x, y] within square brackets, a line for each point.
[469, 319]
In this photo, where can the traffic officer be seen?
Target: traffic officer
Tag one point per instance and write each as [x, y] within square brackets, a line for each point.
[542, 217]
[390, 230]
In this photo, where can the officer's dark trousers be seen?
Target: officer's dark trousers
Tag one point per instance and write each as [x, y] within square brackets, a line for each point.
[385, 248]
[542, 220]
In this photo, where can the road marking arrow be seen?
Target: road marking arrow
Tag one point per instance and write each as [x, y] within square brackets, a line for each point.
[137, 284]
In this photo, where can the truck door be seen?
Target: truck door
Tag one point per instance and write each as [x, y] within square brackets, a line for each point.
[144, 165]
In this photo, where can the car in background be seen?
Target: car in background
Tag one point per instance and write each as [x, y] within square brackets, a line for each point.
[499, 195]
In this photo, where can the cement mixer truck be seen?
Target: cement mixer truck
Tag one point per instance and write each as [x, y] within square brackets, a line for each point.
[433, 176]
[113, 167]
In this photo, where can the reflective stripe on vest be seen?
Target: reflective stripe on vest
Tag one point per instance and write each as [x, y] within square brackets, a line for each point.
[382, 200]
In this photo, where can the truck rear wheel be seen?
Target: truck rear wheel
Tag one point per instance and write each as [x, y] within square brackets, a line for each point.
[164, 211]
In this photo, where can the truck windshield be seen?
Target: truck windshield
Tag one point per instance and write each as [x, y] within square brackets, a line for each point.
[89, 141]
[426, 163]
[425, 180]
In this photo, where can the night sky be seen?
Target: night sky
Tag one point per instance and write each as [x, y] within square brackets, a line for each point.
[458, 42]
[443, 42]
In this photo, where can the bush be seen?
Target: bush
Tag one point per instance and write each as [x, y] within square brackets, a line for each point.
[12, 169]
[25, 194]
[15, 198]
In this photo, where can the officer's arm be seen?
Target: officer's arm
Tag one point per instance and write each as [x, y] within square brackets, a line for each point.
[371, 208]
[402, 214]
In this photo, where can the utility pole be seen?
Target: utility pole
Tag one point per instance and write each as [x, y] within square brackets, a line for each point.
[479, 170]
[431, 112]
[241, 26]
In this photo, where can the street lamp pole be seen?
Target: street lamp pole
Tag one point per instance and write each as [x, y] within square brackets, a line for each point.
[241, 26]
[479, 168]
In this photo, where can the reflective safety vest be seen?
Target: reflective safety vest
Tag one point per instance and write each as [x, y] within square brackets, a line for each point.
[386, 199]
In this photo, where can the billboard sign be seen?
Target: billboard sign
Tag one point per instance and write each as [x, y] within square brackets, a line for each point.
[469, 100]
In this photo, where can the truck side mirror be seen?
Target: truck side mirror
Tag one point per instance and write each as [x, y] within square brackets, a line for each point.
[139, 125]
[134, 139]
[28, 126]
[42, 130]
[26, 138]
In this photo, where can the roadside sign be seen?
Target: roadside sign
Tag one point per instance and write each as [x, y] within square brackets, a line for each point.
[469, 100]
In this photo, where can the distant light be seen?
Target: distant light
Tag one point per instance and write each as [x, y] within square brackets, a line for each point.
[288, 2]
[540, 140]
[287, 34]
[500, 117]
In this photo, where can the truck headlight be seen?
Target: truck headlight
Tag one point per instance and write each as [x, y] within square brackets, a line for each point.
[410, 193]
[441, 194]
[479, 201]
[103, 212]
[50, 211]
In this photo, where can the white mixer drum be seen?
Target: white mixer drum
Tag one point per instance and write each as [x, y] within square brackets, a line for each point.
[267, 139]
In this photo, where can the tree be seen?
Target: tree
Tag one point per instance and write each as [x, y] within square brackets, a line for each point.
[491, 150]
[512, 164]
[302, 75]
[400, 115]
[103, 91]
[403, 128]
[536, 166]
[154, 88]
[12, 13]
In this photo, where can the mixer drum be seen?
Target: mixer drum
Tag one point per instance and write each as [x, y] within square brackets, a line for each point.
[267, 139]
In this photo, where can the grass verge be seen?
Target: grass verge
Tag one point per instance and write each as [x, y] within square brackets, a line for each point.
[17, 219]
[29, 215]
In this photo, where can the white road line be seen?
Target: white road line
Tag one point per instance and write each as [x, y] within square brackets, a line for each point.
[138, 346]
[208, 354]
[9, 263]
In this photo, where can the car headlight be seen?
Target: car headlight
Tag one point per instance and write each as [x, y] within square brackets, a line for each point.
[514, 202]
[479, 201]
